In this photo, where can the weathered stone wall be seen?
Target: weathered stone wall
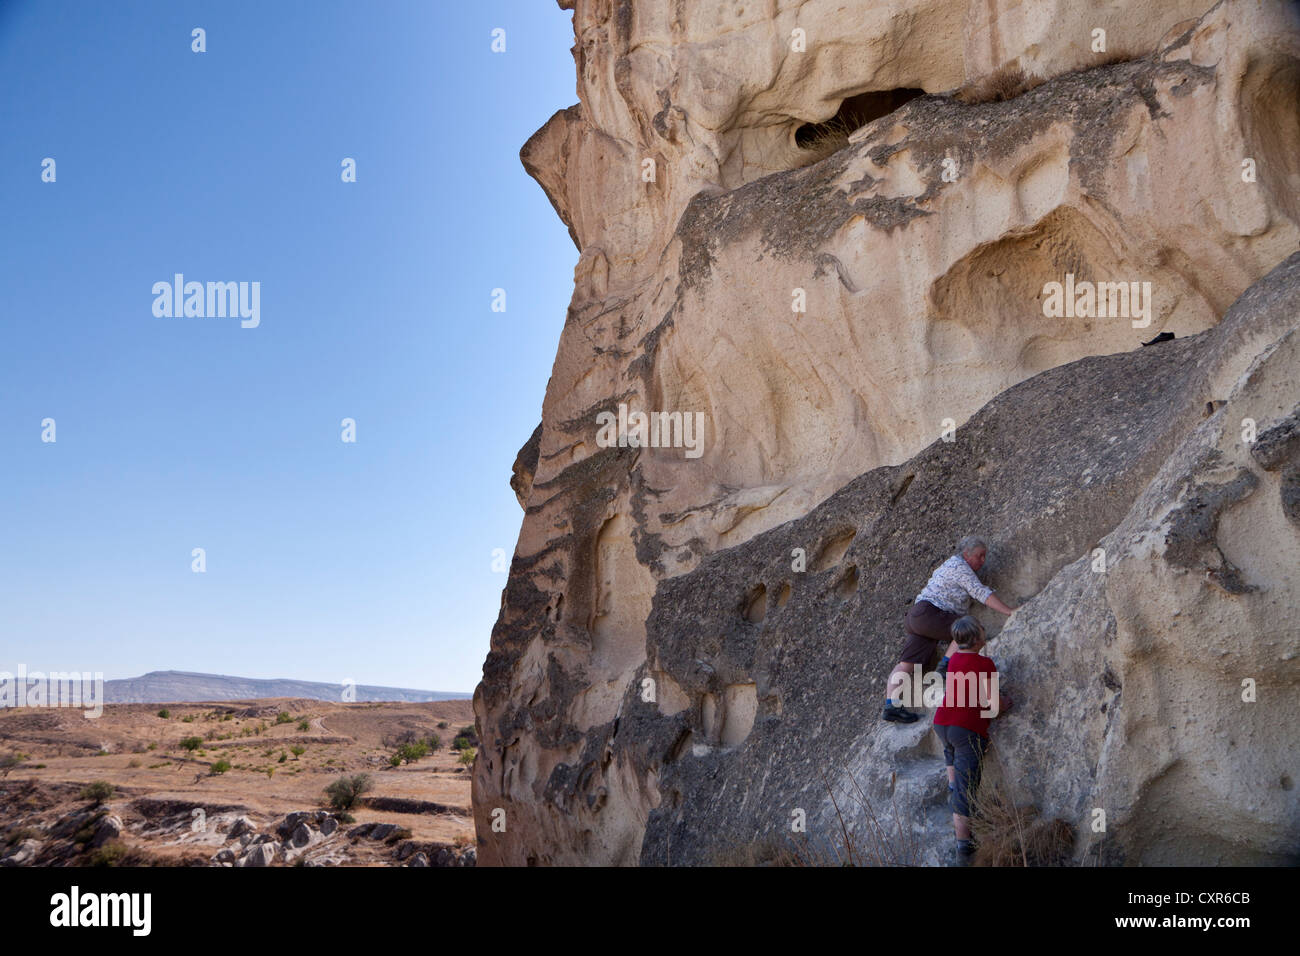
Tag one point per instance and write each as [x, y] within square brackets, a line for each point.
[923, 302]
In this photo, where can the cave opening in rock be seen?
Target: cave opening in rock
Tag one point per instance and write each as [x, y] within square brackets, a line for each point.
[854, 112]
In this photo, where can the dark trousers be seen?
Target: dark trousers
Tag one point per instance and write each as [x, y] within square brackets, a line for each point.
[963, 750]
[926, 626]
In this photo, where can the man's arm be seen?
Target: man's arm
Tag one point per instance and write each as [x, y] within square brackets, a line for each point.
[996, 603]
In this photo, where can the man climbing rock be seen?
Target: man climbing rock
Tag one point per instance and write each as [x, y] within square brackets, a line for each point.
[945, 598]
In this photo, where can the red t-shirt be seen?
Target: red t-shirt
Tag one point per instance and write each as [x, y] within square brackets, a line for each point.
[968, 692]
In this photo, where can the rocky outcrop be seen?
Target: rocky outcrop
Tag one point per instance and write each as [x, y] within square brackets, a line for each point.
[837, 299]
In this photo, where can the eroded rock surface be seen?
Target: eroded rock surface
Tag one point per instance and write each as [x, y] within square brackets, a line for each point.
[920, 247]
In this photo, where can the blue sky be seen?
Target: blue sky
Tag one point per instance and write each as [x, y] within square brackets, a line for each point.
[325, 560]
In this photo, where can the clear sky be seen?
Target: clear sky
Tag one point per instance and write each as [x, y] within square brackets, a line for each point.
[325, 560]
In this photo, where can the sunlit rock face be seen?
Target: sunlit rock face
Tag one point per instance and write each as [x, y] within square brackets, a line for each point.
[832, 249]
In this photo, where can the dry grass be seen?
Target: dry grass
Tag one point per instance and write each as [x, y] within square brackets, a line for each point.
[1008, 833]
[1004, 83]
[829, 137]
[1009, 81]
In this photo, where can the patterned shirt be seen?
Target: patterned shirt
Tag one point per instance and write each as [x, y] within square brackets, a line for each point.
[952, 586]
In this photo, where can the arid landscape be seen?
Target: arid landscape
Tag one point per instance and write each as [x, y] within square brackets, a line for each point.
[237, 783]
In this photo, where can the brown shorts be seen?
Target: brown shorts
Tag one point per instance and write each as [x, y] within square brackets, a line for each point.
[926, 626]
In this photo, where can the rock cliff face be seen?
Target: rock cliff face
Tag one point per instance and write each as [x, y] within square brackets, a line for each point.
[837, 249]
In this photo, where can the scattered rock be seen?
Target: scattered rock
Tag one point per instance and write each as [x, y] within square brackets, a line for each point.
[302, 836]
[110, 828]
[261, 855]
[21, 854]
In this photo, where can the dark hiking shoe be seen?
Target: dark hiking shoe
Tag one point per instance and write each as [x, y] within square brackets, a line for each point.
[899, 715]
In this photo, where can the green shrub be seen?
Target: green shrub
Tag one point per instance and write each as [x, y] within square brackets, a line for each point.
[110, 854]
[21, 833]
[165, 714]
[283, 718]
[394, 761]
[460, 743]
[11, 760]
[98, 791]
[187, 719]
[435, 743]
[409, 753]
[467, 755]
[191, 743]
[221, 766]
[304, 724]
[297, 750]
[344, 792]
[283, 757]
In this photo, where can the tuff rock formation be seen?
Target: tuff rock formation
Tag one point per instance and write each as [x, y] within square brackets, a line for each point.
[839, 247]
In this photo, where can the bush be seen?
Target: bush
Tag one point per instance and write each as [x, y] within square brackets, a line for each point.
[460, 743]
[344, 792]
[297, 751]
[394, 761]
[98, 791]
[9, 761]
[110, 854]
[283, 757]
[467, 755]
[304, 724]
[443, 725]
[434, 743]
[187, 719]
[165, 714]
[221, 766]
[191, 743]
[409, 753]
[283, 718]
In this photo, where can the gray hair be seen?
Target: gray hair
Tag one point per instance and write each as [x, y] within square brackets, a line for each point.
[966, 631]
[972, 542]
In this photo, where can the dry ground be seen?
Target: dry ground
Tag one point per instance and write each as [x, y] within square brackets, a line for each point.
[139, 752]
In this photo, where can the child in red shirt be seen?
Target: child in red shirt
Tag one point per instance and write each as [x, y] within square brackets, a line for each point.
[971, 699]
